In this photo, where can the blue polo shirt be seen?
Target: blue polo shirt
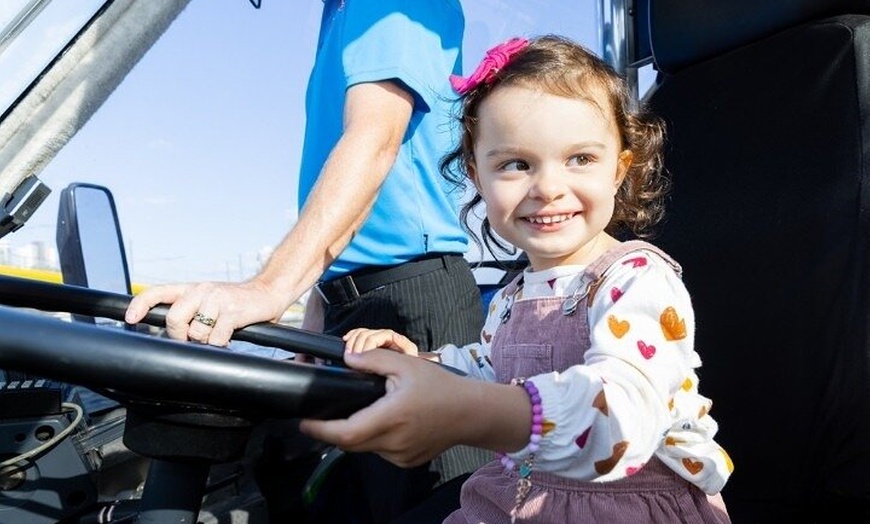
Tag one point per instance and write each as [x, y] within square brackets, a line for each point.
[417, 44]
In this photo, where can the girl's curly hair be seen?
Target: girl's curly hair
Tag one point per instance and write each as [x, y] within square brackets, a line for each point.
[564, 68]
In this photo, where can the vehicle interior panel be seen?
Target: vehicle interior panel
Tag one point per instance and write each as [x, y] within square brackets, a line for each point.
[768, 217]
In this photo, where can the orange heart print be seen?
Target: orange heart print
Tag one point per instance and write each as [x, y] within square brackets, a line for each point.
[673, 327]
[617, 327]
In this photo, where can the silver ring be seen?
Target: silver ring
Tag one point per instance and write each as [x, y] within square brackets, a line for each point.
[202, 319]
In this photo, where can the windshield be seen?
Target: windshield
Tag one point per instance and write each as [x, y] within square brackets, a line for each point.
[32, 34]
[200, 144]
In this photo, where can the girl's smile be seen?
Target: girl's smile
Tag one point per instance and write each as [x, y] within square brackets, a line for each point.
[549, 223]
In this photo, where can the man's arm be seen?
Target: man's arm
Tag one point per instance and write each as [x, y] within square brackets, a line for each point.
[376, 117]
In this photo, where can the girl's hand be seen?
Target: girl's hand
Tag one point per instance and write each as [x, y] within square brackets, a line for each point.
[417, 418]
[362, 339]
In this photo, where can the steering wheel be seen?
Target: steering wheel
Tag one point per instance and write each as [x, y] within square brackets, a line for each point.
[188, 405]
[134, 367]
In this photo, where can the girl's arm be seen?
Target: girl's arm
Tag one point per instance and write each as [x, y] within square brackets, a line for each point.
[472, 359]
[425, 411]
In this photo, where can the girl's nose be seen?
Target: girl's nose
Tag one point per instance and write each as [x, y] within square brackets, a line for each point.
[547, 185]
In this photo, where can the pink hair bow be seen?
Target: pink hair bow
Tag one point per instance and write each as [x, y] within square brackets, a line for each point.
[495, 59]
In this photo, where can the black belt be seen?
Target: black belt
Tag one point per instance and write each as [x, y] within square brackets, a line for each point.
[352, 286]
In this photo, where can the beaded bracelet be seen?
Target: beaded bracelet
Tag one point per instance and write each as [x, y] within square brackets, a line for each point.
[524, 483]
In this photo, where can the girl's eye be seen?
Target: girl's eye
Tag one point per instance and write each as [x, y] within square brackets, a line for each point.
[515, 165]
[579, 160]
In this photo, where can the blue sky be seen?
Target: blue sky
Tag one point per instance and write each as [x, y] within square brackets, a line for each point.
[201, 143]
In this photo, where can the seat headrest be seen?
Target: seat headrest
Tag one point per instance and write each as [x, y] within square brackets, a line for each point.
[684, 32]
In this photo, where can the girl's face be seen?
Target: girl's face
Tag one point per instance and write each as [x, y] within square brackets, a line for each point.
[548, 168]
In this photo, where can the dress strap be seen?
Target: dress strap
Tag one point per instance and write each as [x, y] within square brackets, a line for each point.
[595, 272]
[599, 266]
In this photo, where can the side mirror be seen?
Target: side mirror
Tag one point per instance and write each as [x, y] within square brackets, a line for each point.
[89, 242]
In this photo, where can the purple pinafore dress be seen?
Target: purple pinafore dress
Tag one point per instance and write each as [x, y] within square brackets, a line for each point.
[539, 337]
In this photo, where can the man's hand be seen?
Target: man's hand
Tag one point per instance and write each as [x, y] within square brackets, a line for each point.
[208, 312]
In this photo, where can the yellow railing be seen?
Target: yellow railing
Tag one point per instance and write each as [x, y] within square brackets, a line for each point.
[46, 275]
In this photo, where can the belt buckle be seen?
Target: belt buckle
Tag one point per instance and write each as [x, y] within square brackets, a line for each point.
[321, 293]
[346, 288]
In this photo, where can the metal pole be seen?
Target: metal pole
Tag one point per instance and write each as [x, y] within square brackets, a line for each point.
[617, 38]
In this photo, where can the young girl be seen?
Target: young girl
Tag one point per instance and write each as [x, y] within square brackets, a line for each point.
[586, 364]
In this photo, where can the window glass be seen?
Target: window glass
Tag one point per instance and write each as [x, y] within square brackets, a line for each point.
[200, 144]
[488, 22]
[32, 33]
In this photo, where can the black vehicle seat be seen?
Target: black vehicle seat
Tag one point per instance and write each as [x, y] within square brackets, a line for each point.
[768, 113]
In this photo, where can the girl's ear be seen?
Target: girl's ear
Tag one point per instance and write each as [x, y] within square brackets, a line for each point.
[623, 163]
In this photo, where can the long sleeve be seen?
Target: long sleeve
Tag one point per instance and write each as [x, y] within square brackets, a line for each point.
[635, 395]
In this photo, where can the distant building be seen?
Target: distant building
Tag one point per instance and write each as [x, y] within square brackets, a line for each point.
[33, 255]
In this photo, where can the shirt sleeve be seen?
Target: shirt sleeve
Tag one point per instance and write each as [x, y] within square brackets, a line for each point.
[606, 418]
[415, 43]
